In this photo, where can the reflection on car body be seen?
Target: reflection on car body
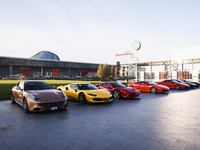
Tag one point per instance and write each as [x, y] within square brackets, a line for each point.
[38, 96]
[86, 93]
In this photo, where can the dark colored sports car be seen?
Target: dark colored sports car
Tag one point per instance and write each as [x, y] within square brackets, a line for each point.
[148, 86]
[196, 83]
[119, 90]
[38, 96]
[172, 84]
[192, 85]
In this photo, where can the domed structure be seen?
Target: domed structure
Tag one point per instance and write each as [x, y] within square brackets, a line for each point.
[45, 55]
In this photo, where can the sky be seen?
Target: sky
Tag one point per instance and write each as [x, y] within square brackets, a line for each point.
[95, 30]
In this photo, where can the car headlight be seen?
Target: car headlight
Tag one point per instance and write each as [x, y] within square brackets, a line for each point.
[91, 94]
[64, 96]
[34, 98]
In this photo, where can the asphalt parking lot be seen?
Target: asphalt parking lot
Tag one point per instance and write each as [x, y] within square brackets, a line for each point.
[151, 122]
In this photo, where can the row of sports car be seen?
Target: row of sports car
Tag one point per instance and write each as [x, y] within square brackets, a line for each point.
[40, 96]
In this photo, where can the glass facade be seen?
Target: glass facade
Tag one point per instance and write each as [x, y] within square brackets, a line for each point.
[161, 70]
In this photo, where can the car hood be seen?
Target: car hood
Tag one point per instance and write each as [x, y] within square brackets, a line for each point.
[190, 83]
[47, 95]
[100, 92]
[130, 89]
[163, 86]
[196, 83]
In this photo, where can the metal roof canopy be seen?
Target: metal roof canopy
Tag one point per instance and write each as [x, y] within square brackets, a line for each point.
[169, 62]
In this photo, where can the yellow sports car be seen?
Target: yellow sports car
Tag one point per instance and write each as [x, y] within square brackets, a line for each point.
[86, 93]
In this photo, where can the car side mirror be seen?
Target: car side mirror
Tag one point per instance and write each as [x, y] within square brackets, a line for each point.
[18, 88]
[98, 86]
[75, 89]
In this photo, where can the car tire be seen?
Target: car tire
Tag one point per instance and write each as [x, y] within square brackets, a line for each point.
[25, 105]
[116, 94]
[153, 90]
[12, 98]
[177, 87]
[82, 98]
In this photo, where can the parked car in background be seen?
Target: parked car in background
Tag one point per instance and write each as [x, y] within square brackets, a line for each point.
[172, 84]
[38, 96]
[149, 86]
[191, 85]
[196, 83]
[119, 90]
[86, 93]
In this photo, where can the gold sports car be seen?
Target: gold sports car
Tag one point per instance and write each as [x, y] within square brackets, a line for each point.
[38, 96]
[86, 93]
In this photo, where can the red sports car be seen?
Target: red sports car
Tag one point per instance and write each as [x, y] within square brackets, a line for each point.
[148, 86]
[172, 84]
[119, 90]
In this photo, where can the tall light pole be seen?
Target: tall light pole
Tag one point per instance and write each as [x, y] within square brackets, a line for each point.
[136, 45]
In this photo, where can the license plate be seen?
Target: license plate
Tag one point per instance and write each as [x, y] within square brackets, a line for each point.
[53, 108]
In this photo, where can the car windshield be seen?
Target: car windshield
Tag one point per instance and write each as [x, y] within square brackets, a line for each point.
[151, 83]
[179, 81]
[87, 87]
[36, 86]
[115, 84]
[174, 81]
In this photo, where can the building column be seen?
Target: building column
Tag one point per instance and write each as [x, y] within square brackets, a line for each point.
[41, 72]
[192, 68]
[151, 72]
[69, 71]
[10, 70]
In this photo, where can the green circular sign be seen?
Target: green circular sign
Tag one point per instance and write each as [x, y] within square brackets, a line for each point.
[136, 45]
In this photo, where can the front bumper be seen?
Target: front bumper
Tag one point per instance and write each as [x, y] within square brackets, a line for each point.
[185, 87]
[130, 95]
[37, 106]
[163, 91]
[100, 99]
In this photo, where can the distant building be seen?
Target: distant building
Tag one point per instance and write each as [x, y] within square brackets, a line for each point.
[45, 55]
[44, 64]
[160, 70]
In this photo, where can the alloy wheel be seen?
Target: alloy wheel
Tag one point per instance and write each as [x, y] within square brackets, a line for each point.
[12, 98]
[116, 94]
[153, 90]
[25, 106]
[82, 98]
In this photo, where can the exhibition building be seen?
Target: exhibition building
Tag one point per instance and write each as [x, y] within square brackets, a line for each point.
[160, 70]
[48, 64]
[44, 64]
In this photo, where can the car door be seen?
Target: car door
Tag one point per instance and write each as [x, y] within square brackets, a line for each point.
[146, 86]
[138, 85]
[19, 93]
[71, 92]
[168, 83]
